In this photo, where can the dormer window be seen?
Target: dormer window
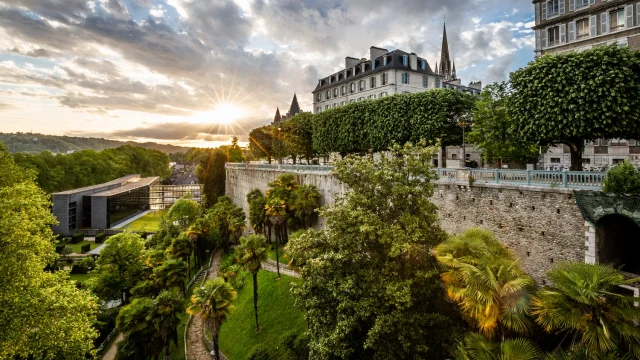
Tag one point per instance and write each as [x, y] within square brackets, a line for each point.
[385, 61]
[373, 64]
[423, 64]
[356, 71]
[405, 60]
[364, 67]
[348, 73]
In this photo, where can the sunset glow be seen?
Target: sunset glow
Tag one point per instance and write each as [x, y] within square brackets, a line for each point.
[223, 114]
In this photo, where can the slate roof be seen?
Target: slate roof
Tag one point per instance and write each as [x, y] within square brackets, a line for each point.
[394, 62]
[133, 185]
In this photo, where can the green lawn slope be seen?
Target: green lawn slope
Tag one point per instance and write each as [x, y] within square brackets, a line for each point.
[148, 223]
[276, 313]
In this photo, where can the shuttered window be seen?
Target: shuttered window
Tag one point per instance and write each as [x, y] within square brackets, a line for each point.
[593, 25]
[372, 82]
[543, 38]
[638, 14]
[425, 81]
[405, 78]
[563, 36]
[629, 16]
[604, 23]
[572, 31]
[572, 5]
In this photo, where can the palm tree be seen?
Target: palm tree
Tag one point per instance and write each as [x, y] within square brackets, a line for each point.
[165, 317]
[181, 248]
[257, 203]
[212, 302]
[585, 300]
[172, 273]
[140, 338]
[477, 347]
[251, 253]
[486, 281]
[306, 199]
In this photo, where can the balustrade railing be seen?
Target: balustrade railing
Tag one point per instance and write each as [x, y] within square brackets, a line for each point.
[540, 178]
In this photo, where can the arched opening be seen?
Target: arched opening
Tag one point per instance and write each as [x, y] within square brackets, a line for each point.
[618, 243]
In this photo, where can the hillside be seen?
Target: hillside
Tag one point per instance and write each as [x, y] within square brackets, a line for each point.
[36, 143]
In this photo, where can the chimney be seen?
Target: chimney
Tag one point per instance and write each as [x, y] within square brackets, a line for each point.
[376, 52]
[413, 61]
[350, 62]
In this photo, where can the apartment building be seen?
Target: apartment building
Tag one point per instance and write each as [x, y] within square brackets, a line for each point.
[577, 25]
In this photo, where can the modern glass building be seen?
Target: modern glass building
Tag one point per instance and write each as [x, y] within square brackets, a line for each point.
[106, 205]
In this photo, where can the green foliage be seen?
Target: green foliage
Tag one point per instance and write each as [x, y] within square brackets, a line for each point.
[171, 274]
[261, 143]
[85, 248]
[306, 199]
[119, 267]
[228, 219]
[297, 344]
[257, 216]
[44, 315]
[185, 211]
[493, 132]
[377, 125]
[77, 238]
[259, 353]
[486, 281]
[211, 174]
[576, 96]
[584, 300]
[623, 179]
[252, 252]
[476, 347]
[100, 238]
[164, 316]
[371, 288]
[140, 338]
[88, 167]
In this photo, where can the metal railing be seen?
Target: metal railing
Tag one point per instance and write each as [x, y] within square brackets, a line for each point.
[541, 178]
[106, 341]
[280, 167]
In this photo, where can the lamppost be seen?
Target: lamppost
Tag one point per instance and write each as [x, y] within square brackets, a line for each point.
[464, 120]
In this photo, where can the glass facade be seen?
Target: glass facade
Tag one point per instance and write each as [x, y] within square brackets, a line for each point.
[163, 196]
[127, 204]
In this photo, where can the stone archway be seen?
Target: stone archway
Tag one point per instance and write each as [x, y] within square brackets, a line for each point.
[617, 239]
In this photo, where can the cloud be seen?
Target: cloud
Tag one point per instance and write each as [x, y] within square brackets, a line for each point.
[181, 131]
[5, 106]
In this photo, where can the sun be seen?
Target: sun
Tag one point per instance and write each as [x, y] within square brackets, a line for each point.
[223, 114]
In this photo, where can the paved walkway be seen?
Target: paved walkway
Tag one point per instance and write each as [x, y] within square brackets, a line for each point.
[196, 348]
[271, 266]
[110, 354]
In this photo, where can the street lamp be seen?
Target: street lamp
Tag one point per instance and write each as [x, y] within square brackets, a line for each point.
[464, 120]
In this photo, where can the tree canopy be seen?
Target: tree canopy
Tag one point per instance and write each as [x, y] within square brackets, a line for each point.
[576, 96]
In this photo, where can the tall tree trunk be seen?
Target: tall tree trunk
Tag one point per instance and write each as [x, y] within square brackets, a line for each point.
[277, 257]
[167, 349]
[189, 266]
[443, 157]
[255, 298]
[576, 148]
[215, 337]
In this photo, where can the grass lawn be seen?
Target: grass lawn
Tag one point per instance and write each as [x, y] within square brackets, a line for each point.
[79, 277]
[77, 247]
[148, 223]
[276, 314]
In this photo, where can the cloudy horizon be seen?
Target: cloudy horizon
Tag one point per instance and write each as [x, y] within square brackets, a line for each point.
[174, 71]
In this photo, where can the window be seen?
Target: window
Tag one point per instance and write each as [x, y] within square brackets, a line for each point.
[73, 212]
[336, 104]
[343, 103]
[580, 4]
[353, 87]
[405, 60]
[618, 142]
[318, 109]
[423, 64]
[318, 97]
[326, 107]
[586, 161]
[454, 156]
[438, 80]
[361, 85]
[373, 96]
[553, 36]
[385, 61]
[373, 64]
[343, 90]
[405, 78]
[383, 94]
[553, 8]
[335, 92]
[555, 160]
[383, 79]
[582, 28]
[352, 101]
[425, 81]
[361, 98]
[617, 19]
[328, 94]
[372, 82]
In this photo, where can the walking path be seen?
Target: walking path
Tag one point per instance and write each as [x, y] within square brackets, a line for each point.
[196, 348]
[271, 266]
[113, 349]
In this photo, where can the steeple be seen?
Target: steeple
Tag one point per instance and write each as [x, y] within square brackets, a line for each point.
[295, 108]
[436, 67]
[446, 68]
[277, 118]
[453, 72]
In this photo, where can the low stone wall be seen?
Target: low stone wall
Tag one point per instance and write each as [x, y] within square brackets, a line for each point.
[542, 226]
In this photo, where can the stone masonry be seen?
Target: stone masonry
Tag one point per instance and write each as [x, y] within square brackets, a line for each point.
[542, 226]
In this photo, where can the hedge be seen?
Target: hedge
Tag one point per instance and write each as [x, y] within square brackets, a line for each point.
[85, 248]
[377, 124]
[77, 238]
[100, 238]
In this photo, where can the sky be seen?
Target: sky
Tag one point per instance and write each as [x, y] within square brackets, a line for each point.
[196, 73]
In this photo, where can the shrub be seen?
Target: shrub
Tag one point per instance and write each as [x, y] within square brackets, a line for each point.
[85, 248]
[65, 240]
[77, 238]
[59, 248]
[230, 274]
[623, 179]
[100, 238]
[144, 235]
[259, 353]
[297, 345]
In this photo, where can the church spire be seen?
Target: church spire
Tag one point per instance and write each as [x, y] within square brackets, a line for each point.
[295, 108]
[277, 118]
[446, 68]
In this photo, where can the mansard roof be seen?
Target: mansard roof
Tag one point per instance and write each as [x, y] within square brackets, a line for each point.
[394, 61]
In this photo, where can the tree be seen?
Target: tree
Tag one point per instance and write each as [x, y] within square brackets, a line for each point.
[296, 135]
[212, 175]
[371, 288]
[486, 281]
[492, 131]
[233, 152]
[171, 274]
[44, 315]
[261, 143]
[140, 340]
[585, 301]
[278, 208]
[164, 314]
[623, 179]
[228, 219]
[477, 347]
[576, 96]
[257, 216]
[306, 201]
[251, 253]
[185, 211]
[119, 267]
[182, 248]
[212, 302]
